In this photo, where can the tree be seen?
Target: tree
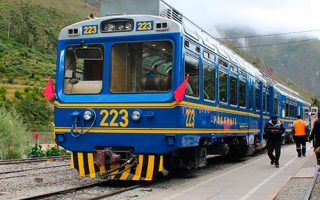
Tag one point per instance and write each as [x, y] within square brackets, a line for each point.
[34, 110]
[315, 101]
[13, 137]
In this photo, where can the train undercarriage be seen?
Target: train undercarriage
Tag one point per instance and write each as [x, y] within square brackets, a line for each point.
[123, 164]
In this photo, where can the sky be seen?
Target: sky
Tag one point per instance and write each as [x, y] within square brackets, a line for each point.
[264, 16]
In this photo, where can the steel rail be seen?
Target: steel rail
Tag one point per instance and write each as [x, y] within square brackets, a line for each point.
[65, 191]
[116, 192]
[30, 160]
[31, 169]
[82, 188]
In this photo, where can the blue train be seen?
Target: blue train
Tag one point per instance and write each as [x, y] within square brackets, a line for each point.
[115, 108]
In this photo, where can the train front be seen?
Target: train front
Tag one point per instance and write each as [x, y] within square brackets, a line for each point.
[114, 105]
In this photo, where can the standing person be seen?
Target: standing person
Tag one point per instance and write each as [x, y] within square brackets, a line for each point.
[300, 134]
[274, 130]
[315, 136]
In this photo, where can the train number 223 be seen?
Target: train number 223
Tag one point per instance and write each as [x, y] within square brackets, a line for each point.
[114, 118]
[87, 30]
[190, 118]
[145, 26]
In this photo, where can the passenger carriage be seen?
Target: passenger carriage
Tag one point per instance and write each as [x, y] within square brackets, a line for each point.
[115, 108]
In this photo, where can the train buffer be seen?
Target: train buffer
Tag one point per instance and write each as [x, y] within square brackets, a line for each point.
[252, 179]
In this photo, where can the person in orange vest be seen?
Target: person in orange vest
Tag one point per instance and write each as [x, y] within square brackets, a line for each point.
[300, 133]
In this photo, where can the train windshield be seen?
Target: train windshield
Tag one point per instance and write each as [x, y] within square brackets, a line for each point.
[83, 69]
[141, 67]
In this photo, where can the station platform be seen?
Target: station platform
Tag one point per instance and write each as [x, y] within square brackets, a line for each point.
[254, 179]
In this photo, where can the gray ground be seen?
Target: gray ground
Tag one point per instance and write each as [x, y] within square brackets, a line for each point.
[297, 188]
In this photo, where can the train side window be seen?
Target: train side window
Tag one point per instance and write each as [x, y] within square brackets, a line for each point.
[233, 90]
[223, 63]
[258, 96]
[268, 101]
[294, 111]
[250, 96]
[223, 85]
[275, 106]
[191, 68]
[242, 95]
[265, 100]
[83, 69]
[209, 74]
[287, 110]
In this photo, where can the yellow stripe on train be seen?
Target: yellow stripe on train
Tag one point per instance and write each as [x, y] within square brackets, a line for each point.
[147, 167]
[155, 105]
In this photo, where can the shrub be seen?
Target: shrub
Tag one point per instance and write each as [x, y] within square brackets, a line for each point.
[10, 80]
[13, 137]
[17, 94]
[35, 152]
[53, 151]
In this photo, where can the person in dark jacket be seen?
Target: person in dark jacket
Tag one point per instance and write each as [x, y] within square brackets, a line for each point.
[274, 131]
[315, 136]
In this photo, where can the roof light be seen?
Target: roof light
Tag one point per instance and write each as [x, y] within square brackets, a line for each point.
[73, 32]
[117, 25]
[128, 26]
[162, 26]
[109, 27]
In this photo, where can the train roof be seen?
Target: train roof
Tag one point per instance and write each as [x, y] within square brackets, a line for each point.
[76, 31]
[290, 93]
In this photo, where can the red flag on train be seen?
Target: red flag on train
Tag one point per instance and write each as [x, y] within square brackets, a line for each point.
[180, 91]
[48, 92]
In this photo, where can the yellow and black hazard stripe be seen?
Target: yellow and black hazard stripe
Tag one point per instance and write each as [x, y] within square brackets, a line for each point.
[147, 168]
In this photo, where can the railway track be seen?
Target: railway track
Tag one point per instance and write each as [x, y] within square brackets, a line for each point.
[25, 170]
[311, 186]
[31, 160]
[74, 189]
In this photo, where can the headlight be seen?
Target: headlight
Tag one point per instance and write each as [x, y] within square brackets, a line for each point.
[136, 115]
[87, 115]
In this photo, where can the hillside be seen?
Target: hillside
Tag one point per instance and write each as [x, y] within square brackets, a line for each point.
[298, 62]
[28, 37]
[28, 41]
[295, 64]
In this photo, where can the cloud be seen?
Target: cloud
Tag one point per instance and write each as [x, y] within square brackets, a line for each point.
[272, 16]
